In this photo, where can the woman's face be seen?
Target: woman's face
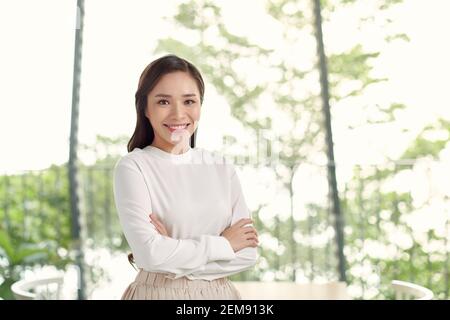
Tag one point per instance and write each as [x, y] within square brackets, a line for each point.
[175, 100]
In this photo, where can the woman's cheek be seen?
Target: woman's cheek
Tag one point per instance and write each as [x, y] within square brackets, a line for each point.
[196, 117]
[195, 126]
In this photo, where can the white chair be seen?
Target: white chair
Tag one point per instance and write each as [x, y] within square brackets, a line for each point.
[48, 288]
[407, 290]
[255, 290]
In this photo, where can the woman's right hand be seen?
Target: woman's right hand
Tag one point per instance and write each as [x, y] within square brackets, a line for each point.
[241, 237]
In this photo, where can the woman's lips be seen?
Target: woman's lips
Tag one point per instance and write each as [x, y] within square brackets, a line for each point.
[174, 129]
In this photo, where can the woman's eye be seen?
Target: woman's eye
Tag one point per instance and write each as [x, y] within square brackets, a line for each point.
[163, 102]
[190, 101]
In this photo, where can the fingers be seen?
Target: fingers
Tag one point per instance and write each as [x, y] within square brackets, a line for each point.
[251, 237]
[243, 222]
[154, 220]
[252, 243]
[158, 224]
[154, 217]
[158, 228]
[249, 233]
[162, 229]
[250, 229]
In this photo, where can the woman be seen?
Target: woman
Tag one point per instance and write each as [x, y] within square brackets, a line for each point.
[181, 208]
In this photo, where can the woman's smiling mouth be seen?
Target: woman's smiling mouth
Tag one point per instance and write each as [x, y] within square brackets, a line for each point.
[173, 127]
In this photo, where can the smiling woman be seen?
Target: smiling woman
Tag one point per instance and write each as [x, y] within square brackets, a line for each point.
[179, 111]
[154, 103]
[183, 215]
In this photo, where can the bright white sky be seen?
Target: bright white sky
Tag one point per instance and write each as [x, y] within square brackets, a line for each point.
[36, 62]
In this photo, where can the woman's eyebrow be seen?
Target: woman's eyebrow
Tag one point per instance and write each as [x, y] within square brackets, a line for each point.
[163, 95]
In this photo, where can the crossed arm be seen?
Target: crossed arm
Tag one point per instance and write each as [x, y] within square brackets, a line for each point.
[208, 255]
[240, 235]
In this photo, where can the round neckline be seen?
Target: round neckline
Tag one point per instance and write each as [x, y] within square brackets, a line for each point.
[167, 155]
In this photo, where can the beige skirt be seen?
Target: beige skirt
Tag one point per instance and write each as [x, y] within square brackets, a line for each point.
[155, 286]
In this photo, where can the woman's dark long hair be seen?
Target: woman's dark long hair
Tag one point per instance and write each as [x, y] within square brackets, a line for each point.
[143, 133]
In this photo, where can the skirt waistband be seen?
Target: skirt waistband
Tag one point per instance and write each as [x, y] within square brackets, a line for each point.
[155, 279]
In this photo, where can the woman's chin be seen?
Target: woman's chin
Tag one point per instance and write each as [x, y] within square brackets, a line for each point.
[178, 136]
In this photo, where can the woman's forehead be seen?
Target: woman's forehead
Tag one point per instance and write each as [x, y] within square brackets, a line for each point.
[176, 83]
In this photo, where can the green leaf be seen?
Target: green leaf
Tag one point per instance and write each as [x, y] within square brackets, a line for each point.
[6, 245]
[27, 252]
[398, 36]
[422, 147]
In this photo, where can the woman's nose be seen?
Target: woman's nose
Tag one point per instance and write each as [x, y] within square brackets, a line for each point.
[178, 109]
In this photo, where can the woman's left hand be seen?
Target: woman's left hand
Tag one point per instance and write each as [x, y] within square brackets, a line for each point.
[158, 225]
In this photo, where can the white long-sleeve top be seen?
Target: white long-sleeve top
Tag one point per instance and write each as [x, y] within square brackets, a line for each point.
[196, 195]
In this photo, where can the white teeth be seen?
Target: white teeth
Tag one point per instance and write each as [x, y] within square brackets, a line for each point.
[177, 127]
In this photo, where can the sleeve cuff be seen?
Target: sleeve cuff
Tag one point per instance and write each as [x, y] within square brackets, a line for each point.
[220, 249]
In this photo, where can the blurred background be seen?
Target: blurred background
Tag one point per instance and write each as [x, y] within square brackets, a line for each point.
[343, 153]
